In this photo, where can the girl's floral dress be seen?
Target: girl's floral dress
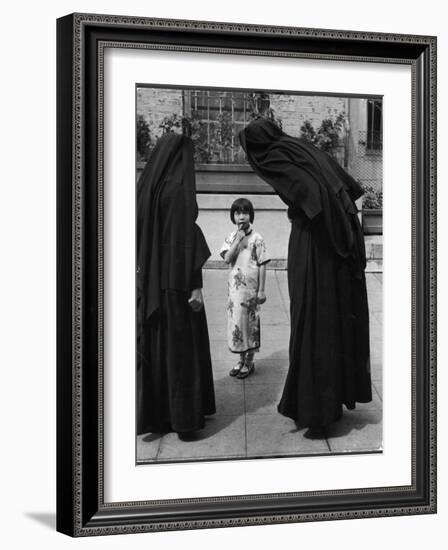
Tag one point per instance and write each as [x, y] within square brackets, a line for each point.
[243, 311]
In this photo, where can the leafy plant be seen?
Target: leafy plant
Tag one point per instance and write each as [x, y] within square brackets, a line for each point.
[259, 105]
[328, 135]
[212, 142]
[372, 198]
[144, 142]
[215, 141]
[170, 123]
[308, 132]
[194, 127]
[220, 144]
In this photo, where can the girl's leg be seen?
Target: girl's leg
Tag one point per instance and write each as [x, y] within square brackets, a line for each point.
[249, 359]
[249, 366]
[237, 368]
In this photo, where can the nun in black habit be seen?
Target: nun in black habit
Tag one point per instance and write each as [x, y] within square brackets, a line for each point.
[329, 357]
[174, 372]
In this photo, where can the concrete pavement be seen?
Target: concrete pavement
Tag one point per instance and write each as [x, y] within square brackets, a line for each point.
[247, 424]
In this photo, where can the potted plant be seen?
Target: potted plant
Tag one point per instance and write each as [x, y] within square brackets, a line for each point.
[328, 136]
[372, 210]
[144, 141]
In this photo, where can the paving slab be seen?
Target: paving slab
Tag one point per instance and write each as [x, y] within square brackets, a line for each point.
[268, 372]
[229, 398]
[376, 328]
[262, 398]
[148, 446]
[373, 283]
[223, 437]
[376, 357]
[375, 404]
[358, 430]
[247, 422]
[376, 373]
[378, 387]
[275, 435]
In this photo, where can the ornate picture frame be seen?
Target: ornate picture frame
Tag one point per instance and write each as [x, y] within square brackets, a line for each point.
[81, 506]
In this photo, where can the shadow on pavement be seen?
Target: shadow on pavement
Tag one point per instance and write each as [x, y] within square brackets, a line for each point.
[353, 421]
[150, 437]
[214, 424]
[277, 359]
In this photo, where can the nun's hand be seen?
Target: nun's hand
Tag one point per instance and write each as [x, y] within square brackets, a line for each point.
[196, 301]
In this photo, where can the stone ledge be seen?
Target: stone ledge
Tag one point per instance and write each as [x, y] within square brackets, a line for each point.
[373, 266]
[208, 201]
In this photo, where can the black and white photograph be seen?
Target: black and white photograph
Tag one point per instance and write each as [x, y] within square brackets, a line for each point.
[222, 237]
[246, 288]
[259, 274]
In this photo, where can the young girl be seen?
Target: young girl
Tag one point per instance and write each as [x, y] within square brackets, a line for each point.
[245, 251]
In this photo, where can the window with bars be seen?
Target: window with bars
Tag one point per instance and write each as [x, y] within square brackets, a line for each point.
[216, 118]
[374, 137]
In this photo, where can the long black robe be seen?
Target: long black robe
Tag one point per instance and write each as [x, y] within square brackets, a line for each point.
[329, 355]
[174, 372]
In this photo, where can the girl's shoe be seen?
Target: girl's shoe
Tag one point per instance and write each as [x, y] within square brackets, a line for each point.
[246, 370]
[236, 369]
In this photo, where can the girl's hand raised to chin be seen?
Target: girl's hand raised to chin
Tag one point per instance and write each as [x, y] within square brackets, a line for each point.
[240, 235]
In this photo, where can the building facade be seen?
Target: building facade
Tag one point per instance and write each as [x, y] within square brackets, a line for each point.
[215, 117]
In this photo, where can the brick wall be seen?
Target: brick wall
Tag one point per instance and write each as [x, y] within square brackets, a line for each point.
[155, 104]
[272, 222]
[294, 110]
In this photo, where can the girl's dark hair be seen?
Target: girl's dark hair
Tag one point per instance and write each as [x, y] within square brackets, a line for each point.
[242, 205]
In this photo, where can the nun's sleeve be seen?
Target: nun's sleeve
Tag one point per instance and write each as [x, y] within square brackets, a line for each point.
[196, 280]
[201, 254]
